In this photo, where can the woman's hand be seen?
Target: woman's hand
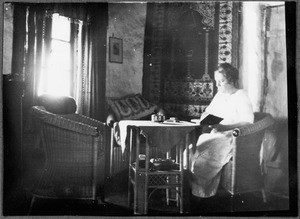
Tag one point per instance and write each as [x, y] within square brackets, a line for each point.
[206, 129]
[213, 128]
[217, 128]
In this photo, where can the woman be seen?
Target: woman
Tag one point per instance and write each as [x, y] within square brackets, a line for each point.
[213, 150]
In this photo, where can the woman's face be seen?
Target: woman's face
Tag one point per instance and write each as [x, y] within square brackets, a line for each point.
[222, 83]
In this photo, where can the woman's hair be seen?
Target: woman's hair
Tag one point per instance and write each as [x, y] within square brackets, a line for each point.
[230, 72]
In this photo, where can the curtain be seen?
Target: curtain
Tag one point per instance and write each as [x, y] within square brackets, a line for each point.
[89, 60]
[19, 38]
[88, 55]
[98, 29]
[38, 43]
[88, 51]
[81, 65]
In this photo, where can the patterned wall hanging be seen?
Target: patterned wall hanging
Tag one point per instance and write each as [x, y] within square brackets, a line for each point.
[179, 87]
[225, 32]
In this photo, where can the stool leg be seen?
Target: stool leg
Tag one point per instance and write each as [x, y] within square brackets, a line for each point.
[146, 183]
[131, 175]
[168, 181]
[177, 197]
[181, 199]
[178, 192]
[129, 194]
[168, 196]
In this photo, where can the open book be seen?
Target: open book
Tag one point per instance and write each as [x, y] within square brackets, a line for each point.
[211, 120]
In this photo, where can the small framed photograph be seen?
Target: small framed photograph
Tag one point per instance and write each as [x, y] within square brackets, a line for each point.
[115, 50]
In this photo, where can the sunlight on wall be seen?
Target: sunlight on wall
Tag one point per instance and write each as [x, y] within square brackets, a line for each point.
[264, 76]
[251, 68]
[252, 54]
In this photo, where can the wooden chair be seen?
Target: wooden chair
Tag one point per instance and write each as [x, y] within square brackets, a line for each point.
[243, 173]
[74, 147]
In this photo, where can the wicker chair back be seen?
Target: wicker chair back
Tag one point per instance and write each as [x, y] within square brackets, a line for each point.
[75, 156]
[243, 173]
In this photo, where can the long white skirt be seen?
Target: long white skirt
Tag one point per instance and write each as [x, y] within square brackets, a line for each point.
[212, 152]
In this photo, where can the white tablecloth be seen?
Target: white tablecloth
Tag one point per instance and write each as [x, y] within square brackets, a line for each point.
[163, 135]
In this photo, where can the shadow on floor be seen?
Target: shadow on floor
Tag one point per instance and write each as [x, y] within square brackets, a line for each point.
[17, 200]
[17, 204]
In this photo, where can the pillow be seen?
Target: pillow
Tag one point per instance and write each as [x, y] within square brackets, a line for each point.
[58, 104]
[131, 107]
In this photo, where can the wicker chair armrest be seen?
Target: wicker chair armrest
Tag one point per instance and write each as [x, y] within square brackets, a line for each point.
[72, 125]
[63, 122]
[86, 120]
[255, 127]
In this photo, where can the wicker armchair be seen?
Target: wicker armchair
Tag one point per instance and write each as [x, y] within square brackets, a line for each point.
[75, 156]
[243, 173]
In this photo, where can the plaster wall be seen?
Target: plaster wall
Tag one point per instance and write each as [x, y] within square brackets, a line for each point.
[251, 52]
[7, 38]
[267, 87]
[126, 21]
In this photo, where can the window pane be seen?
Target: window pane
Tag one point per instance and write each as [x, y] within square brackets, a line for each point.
[58, 82]
[57, 78]
[60, 55]
[60, 27]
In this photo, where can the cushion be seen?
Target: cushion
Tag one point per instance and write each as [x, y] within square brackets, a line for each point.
[58, 104]
[131, 107]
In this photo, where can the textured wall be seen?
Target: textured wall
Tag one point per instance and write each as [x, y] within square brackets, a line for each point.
[271, 98]
[276, 93]
[126, 21]
[7, 38]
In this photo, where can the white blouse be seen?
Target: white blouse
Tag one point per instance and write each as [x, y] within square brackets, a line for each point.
[234, 108]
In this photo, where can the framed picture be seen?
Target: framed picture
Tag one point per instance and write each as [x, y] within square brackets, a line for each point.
[115, 50]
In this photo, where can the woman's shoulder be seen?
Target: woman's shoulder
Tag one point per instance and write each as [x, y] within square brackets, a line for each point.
[241, 93]
[240, 96]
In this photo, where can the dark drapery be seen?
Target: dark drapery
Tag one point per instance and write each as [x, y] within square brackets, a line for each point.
[19, 38]
[39, 33]
[99, 22]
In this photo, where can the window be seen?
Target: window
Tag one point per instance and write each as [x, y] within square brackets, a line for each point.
[56, 71]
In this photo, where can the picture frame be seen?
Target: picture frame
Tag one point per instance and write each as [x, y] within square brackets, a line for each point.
[115, 50]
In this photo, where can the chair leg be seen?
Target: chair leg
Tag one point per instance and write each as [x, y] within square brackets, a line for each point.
[263, 192]
[231, 203]
[129, 197]
[102, 193]
[31, 205]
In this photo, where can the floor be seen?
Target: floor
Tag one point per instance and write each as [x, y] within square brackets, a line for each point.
[17, 200]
